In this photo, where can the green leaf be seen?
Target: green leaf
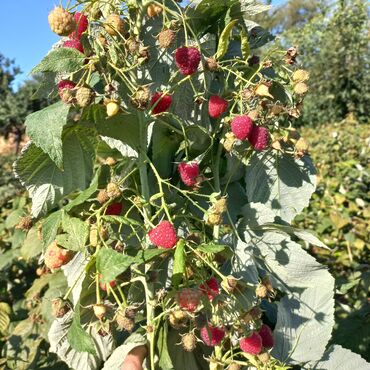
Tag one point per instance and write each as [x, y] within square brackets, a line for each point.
[164, 146]
[77, 232]
[75, 273]
[50, 226]
[306, 314]
[13, 218]
[32, 245]
[183, 360]
[147, 255]
[304, 235]
[38, 285]
[77, 336]
[339, 358]
[205, 14]
[165, 362]
[178, 264]
[110, 264]
[121, 127]
[5, 311]
[46, 183]
[45, 129]
[22, 346]
[60, 345]
[224, 40]
[244, 264]
[61, 60]
[280, 182]
[124, 149]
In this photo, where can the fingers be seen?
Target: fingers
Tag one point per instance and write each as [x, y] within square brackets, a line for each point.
[135, 358]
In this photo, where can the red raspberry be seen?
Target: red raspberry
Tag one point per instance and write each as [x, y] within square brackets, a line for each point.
[251, 344]
[212, 335]
[82, 24]
[74, 44]
[188, 299]
[164, 103]
[241, 127]
[188, 173]
[266, 335]
[217, 106]
[211, 288]
[259, 137]
[65, 85]
[163, 235]
[187, 60]
[114, 209]
[56, 257]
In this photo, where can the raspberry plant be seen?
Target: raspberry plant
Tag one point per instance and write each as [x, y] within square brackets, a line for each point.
[163, 185]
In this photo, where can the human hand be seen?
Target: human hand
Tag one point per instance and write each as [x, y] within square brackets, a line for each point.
[134, 360]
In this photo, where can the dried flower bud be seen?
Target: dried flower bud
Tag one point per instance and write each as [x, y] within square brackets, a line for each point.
[25, 223]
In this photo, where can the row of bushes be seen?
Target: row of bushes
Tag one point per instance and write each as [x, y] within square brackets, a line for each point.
[340, 213]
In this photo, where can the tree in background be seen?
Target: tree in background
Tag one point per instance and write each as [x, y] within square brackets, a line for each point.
[334, 47]
[16, 105]
[291, 14]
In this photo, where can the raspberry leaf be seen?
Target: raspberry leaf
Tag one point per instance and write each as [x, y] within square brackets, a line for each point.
[50, 227]
[339, 358]
[77, 336]
[59, 344]
[75, 273]
[110, 264]
[293, 183]
[45, 129]
[75, 234]
[308, 286]
[32, 246]
[165, 361]
[5, 311]
[61, 60]
[46, 183]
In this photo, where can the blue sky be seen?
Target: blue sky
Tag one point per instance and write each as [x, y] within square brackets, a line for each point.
[25, 33]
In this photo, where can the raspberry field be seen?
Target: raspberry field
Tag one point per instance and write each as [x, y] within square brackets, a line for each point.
[181, 189]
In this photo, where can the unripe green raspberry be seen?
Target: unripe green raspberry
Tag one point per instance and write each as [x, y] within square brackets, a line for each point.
[214, 219]
[114, 25]
[300, 75]
[189, 342]
[178, 319]
[124, 322]
[99, 311]
[220, 206]
[166, 38]
[61, 22]
[84, 96]
[113, 191]
[300, 88]
[234, 366]
[141, 97]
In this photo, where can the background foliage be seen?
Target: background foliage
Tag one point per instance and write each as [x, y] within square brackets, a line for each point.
[332, 39]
